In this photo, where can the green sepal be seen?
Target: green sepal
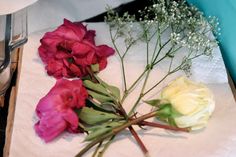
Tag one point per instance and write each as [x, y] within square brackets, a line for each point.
[153, 102]
[171, 121]
[95, 67]
[164, 111]
[91, 116]
[167, 113]
[100, 97]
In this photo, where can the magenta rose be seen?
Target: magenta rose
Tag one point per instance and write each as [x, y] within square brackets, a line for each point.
[56, 109]
[70, 49]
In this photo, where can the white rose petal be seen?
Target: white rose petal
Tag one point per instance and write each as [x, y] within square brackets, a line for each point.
[194, 101]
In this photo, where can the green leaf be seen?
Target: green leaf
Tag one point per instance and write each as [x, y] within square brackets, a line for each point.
[100, 130]
[95, 87]
[112, 89]
[105, 125]
[105, 107]
[91, 116]
[153, 102]
[95, 67]
[100, 97]
[97, 133]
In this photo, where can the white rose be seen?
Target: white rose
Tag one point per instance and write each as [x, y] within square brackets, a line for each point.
[193, 101]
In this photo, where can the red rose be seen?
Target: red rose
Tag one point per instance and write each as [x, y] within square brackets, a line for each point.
[55, 110]
[70, 50]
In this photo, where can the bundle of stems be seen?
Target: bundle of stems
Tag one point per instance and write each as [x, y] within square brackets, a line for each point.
[185, 27]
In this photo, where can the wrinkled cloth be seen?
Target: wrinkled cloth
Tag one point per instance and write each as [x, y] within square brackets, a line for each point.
[217, 140]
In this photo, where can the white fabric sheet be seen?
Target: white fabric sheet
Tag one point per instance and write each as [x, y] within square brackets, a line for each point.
[49, 13]
[217, 140]
[11, 6]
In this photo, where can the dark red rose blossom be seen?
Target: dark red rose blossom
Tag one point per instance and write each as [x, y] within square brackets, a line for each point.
[55, 110]
[70, 49]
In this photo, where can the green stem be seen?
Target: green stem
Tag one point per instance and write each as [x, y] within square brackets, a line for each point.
[141, 93]
[123, 73]
[113, 42]
[159, 51]
[133, 85]
[135, 105]
[100, 154]
[127, 49]
[121, 58]
[147, 52]
[134, 133]
[116, 131]
[156, 84]
[158, 42]
[96, 150]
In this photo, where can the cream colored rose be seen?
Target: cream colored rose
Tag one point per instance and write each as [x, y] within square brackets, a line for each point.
[194, 101]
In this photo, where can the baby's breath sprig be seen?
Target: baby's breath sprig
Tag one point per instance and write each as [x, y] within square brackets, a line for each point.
[185, 26]
[177, 29]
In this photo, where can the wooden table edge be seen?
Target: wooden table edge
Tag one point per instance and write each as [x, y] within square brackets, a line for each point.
[11, 108]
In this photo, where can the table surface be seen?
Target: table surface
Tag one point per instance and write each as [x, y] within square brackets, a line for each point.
[217, 140]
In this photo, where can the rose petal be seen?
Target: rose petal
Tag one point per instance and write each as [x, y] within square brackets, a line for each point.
[80, 49]
[73, 31]
[71, 117]
[81, 97]
[89, 36]
[62, 55]
[84, 61]
[45, 54]
[104, 51]
[50, 126]
[69, 49]
[102, 63]
[54, 68]
[75, 69]
[55, 110]
[50, 41]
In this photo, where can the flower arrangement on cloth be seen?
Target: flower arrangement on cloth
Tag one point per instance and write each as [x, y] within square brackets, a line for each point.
[90, 105]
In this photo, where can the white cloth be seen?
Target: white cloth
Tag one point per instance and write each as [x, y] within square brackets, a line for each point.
[11, 6]
[217, 140]
[50, 13]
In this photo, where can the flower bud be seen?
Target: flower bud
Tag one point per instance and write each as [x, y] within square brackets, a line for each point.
[193, 102]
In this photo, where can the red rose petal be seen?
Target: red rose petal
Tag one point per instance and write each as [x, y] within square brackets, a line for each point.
[89, 36]
[104, 51]
[80, 49]
[102, 63]
[78, 29]
[69, 49]
[55, 110]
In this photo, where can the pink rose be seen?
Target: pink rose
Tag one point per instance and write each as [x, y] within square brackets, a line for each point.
[70, 49]
[55, 110]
